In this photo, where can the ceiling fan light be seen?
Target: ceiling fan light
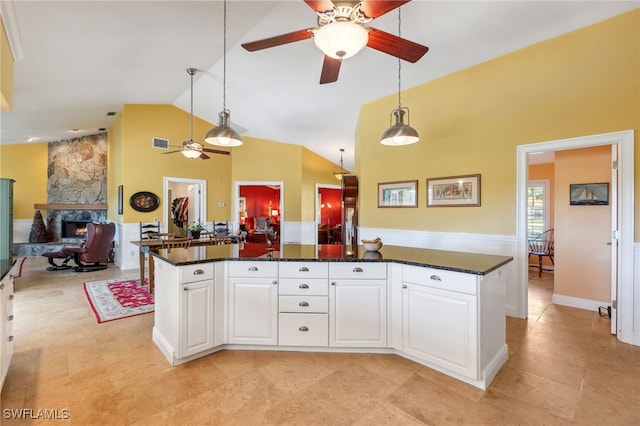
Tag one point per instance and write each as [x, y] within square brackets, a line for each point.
[191, 153]
[399, 133]
[223, 134]
[341, 40]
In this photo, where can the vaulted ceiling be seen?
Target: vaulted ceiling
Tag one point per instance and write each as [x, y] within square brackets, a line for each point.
[78, 60]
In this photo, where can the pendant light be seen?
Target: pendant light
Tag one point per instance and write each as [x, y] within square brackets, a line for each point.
[342, 172]
[399, 133]
[223, 134]
[189, 149]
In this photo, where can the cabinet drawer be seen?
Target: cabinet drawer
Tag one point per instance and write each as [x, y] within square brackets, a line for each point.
[439, 278]
[253, 269]
[198, 272]
[304, 269]
[313, 304]
[310, 287]
[356, 270]
[303, 330]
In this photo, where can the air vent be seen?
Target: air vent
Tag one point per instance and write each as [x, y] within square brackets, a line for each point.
[160, 143]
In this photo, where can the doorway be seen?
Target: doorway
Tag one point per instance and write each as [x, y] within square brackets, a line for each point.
[328, 214]
[622, 217]
[186, 203]
[259, 211]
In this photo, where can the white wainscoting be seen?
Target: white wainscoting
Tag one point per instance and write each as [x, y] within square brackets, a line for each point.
[635, 339]
[21, 230]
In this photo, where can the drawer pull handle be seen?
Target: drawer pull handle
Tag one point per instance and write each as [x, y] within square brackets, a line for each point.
[303, 286]
[303, 269]
[303, 328]
[303, 304]
[357, 269]
[11, 297]
[253, 269]
[198, 272]
[10, 317]
[435, 278]
[2, 286]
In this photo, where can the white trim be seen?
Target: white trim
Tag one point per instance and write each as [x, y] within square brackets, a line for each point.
[9, 17]
[625, 142]
[577, 302]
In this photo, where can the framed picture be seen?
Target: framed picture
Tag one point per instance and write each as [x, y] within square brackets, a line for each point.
[454, 191]
[398, 194]
[589, 194]
[144, 201]
[242, 204]
[120, 195]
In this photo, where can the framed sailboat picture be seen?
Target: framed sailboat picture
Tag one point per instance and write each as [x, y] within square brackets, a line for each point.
[589, 194]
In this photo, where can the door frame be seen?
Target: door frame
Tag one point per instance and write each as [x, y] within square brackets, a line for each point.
[624, 140]
[203, 197]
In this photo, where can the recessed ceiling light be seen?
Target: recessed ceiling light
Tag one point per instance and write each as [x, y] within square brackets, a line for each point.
[33, 139]
[75, 130]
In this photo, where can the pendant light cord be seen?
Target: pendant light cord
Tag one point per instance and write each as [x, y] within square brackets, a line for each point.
[224, 57]
[399, 61]
[191, 73]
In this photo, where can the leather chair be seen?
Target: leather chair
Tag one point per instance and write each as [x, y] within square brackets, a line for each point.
[97, 251]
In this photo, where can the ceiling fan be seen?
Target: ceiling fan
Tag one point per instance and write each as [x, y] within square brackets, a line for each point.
[192, 149]
[341, 34]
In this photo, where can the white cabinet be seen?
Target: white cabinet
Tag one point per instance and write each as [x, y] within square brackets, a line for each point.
[303, 304]
[253, 303]
[184, 309]
[358, 304]
[6, 325]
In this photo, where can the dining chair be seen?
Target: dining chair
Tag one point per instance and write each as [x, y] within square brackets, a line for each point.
[542, 245]
[176, 243]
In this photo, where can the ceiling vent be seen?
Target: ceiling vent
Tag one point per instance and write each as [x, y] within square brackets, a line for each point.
[160, 143]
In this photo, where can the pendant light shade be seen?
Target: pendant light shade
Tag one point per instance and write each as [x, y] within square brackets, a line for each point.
[399, 133]
[223, 134]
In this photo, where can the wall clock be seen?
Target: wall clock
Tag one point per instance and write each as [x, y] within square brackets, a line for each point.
[144, 201]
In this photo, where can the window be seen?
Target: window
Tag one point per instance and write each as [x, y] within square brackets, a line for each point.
[537, 207]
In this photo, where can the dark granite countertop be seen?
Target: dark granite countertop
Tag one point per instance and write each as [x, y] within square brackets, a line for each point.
[5, 266]
[471, 263]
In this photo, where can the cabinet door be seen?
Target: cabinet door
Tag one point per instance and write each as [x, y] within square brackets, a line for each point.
[253, 311]
[358, 313]
[196, 317]
[440, 327]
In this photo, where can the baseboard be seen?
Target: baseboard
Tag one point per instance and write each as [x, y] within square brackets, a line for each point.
[576, 302]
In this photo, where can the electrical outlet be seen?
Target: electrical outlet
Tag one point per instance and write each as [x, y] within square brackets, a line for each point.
[155, 219]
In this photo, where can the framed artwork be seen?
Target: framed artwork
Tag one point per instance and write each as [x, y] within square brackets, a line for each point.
[589, 194]
[144, 201]
[398, 194]
[242, 204]
[120, 201]
[454, 191]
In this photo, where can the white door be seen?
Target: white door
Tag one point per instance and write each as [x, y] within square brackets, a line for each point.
[615, 246]
[196, 317]
[195, 215]
[253, 311]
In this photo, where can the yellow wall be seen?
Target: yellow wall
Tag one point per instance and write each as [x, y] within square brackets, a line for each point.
[582, 255]
[6, 71]
[27, 165]
[315, 169]
[582, 83]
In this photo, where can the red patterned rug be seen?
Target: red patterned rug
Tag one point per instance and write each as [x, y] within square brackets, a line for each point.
[119, 298]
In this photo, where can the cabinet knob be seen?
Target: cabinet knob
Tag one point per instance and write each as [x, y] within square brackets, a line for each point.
[303, 286]
[2, 286]
[10, 317]
[333, 283]
[357, 269]
[253, 268]
[185, 289]
[274, 282]
[198, 272]
[435, 278]
[303, 269]
[404, 286]
[11, 297]
[303, 328]
[304, 304]
[11, 338]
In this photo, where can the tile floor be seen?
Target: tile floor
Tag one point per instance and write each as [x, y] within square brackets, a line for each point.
[564, 368]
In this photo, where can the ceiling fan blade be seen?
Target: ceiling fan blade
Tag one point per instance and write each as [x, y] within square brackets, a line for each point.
[377, 8]
[279, 40]
[395, 46]
[215, 151]
[330, 70]
[320, 5]
[204, 156]
[172, 152]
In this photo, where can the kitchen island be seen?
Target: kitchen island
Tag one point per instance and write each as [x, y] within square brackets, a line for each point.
[443, 309]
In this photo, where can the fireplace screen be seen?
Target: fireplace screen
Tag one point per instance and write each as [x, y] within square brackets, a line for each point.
[74, 228]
